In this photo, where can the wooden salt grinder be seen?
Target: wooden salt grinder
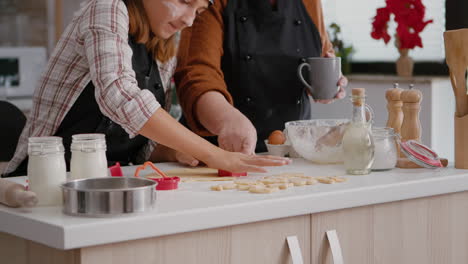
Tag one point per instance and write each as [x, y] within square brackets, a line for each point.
[411, 126]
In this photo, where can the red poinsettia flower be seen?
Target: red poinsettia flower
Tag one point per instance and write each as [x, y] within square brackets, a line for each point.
[380, 24]
[409, 15]
[408, 37]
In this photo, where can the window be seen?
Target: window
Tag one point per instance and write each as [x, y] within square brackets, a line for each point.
[355, 20]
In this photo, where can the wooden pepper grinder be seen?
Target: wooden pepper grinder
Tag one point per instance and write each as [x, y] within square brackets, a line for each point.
[394, 104]
[395, 113]
[410, 126]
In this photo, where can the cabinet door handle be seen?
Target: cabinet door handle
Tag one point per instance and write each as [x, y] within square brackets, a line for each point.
[335, 247]
[295, 250]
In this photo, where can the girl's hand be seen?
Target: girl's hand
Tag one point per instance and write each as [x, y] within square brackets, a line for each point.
[185, 159]
[239, 162]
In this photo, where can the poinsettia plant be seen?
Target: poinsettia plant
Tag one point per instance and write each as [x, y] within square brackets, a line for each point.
[409, 16]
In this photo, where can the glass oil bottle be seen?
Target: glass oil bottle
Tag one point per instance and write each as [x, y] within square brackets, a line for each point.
[358, 144]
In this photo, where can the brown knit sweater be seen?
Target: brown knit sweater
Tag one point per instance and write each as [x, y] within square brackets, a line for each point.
[200, 52]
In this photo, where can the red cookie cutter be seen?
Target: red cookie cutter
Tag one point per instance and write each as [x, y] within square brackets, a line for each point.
[165, 183]
[116, 170]
[223, 173]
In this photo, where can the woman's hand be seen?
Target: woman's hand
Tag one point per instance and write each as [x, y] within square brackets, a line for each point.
[185, 159]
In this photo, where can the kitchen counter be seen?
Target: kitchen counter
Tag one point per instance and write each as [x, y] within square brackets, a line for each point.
[194, 207]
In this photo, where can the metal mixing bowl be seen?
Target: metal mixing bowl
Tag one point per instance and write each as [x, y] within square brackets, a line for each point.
[317, 140]
[108, 196]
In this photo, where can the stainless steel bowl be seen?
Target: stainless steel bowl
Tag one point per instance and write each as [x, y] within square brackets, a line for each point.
[111, 196]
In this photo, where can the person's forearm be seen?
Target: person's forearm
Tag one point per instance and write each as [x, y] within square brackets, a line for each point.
[211, 110]
[164, 129]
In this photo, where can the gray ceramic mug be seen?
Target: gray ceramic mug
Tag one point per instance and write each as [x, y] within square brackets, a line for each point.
[324, 74]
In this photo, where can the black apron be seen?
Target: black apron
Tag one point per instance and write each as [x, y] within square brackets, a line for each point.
[86, 117]
[263, 46]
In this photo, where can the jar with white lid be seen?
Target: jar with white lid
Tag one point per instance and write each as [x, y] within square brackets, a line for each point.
[385, 152]
[46, 169]
[88, 159]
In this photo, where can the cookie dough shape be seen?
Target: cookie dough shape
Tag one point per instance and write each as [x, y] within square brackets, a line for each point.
[261, 189]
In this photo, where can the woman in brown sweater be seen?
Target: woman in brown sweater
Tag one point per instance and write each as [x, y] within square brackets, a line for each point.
[237, 68]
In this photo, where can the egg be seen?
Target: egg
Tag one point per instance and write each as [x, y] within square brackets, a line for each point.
[276, 138]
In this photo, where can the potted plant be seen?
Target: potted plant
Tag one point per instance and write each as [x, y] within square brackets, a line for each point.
[409, 16]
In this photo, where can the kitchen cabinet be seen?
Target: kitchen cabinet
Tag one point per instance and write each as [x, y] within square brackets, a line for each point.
[425, 230]
[398, 216]
[437, 106]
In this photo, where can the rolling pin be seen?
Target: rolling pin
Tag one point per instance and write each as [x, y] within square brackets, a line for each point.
[15, 195]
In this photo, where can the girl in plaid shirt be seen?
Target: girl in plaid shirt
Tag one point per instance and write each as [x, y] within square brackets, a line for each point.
[107, 75]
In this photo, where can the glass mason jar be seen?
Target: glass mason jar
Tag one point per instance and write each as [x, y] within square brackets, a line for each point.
[88, 159]
[46, 169]
[385, 149]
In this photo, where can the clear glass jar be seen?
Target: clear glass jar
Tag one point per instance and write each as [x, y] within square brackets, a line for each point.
[385, 149]
[88, 158]
[46, 169]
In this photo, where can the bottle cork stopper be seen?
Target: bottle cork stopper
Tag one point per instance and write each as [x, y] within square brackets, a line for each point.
[358, 96]
[411, 96]
[358, 91]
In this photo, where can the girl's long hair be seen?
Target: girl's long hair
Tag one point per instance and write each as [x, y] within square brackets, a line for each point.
[139, 28]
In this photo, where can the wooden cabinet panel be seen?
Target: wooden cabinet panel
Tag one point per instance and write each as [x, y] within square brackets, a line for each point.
[459, 227]
[260, 242]
[400, 232]
[427, 230]
[15, 250]
[354, 229]
[204, 247]
[265, 242]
